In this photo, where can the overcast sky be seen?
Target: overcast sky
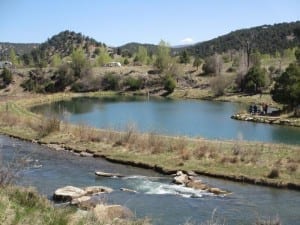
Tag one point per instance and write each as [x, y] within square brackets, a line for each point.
[116, 22]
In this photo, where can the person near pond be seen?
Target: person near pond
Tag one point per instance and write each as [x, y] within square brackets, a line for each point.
[265, 109]
[254, 109]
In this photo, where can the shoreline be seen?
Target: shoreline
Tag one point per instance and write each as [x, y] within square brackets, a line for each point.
[160, 169]
[125, 153]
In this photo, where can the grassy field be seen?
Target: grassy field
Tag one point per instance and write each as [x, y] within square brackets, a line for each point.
[261, 163]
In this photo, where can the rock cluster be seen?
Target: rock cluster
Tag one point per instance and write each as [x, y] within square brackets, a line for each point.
[190, 180]
[265, 119]
[83, 199]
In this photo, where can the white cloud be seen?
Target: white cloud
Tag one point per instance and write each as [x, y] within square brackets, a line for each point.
[187, 41]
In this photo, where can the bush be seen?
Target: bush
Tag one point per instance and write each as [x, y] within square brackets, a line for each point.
[218, 85]
[274, 173]
[6, 76]
[48, 126]
[169, 84]
[110, 82]
[134, 83]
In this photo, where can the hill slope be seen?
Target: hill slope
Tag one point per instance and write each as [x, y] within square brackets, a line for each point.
[265, 39]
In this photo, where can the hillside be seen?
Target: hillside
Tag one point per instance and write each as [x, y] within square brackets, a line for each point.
[61, 45]
[131, 48]
[20, 48]
[265, 39]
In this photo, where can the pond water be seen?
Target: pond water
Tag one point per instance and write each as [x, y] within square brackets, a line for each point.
[172, 117]
[157, 198]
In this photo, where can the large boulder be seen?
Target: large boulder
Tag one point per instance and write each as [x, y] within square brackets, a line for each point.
[68, 193]
[110, 212]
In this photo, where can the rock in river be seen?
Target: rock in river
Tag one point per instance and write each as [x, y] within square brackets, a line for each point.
[68, 193]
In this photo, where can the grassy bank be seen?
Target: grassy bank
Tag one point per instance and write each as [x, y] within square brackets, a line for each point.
[260, 163]
[20, 206]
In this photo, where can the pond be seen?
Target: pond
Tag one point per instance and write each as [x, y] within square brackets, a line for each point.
[193, 118]
[157, 197]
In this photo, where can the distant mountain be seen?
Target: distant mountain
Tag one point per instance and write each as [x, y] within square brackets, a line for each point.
[19, 48]
[265, 38]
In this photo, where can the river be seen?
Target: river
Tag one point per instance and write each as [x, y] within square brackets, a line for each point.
[157, 197]
[172, 117]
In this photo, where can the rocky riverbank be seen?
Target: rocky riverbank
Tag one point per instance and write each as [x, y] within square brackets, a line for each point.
[267, 119]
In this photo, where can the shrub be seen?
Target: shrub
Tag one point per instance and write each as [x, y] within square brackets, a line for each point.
[110, 81]
[218, 85]
[134, 83]
[48, 126]
[274, 173]
[6, 77]
[169, 84]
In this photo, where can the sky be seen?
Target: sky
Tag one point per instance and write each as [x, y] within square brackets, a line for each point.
[117, 22]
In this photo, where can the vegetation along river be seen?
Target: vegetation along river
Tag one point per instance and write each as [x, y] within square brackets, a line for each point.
[172, 117]
[157, 198]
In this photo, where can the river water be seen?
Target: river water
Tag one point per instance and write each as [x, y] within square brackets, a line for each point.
[172, 117]
[157, 197]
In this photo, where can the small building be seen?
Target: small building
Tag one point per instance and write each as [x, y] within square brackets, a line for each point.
[5, 64]
[113, 64]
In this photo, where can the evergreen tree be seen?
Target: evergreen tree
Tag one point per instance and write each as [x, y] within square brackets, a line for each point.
[184, 57]
[287, 87]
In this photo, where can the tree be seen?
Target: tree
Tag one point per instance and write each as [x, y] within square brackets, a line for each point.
[213, 65]
[197, 62]
[13, 57]
[287, 87]
[79, 61]
[163, 58]
[254, 80]
[103, 57]
[142, 55]
[126, 61]
[184, 57]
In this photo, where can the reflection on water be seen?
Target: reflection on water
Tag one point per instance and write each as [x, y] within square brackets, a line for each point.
[174, 117]
[157, 198]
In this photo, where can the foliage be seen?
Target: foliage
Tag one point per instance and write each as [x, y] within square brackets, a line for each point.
[7, 77]
[197, 62]
[110, 81]
[218, 85]
[184, 57]
[103, 57]
[13, 57]
[142, 54]
[297, 55]
[213, 65]
[254, 80]
[169, 83]
[79, 62]
[56, 60]
[267, 39]
[287, 86]
[126, 61]
[134, 83]
[163, 58]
